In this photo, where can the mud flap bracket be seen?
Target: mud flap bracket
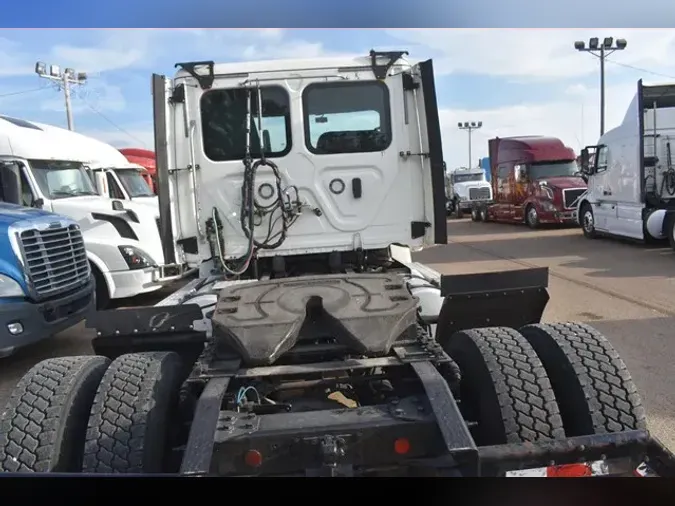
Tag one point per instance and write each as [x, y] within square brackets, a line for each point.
[492, 299]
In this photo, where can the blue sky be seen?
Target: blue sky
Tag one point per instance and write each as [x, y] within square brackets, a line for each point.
[517, 82]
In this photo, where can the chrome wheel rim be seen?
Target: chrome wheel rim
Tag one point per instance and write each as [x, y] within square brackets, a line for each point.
[532, 216]
[588, 221]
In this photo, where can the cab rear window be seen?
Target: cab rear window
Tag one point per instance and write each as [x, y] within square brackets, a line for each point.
[344, 117]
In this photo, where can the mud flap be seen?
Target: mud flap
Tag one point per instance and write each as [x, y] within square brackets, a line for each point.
[492, 299]
[154, 328]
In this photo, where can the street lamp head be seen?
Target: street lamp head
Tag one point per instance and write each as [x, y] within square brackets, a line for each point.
[459, 125]
[54, 71]
[40, 68]
[621, 43]
[81, 76]
[593, 43]
[473, 124]
[466, 124]
[607, 43]
[70, 73]
[480, 124]
[580, 45]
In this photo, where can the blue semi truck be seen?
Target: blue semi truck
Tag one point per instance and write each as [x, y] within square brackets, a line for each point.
[46, 284]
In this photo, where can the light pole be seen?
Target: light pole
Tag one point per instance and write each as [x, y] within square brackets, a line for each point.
[602, 51]
[470, 127]
[64, 80]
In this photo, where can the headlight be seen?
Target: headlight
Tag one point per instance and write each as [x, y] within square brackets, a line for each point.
[136, 258]
[547, 205]
[10, 288]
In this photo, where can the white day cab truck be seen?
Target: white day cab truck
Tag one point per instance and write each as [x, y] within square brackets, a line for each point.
[631, 172]
[467, 188]
[122, 239]
[312, 344]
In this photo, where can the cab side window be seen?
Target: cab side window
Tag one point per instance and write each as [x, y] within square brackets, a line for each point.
[14, 185]
[113, 188]
[502, 174]
[27, 197]
[602, 159]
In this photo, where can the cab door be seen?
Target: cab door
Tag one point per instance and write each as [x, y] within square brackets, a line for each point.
[504, 192]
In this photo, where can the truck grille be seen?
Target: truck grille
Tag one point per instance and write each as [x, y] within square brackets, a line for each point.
[55, 259]
[479, 193]
[570, 196]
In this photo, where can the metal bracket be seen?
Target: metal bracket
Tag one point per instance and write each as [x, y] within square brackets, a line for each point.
[178, 95]
[205, 81]
[189, 167]
[381, 71]
[407, 154]
[237, 424]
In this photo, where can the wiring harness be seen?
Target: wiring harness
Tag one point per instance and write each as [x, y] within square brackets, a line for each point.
[252, 213]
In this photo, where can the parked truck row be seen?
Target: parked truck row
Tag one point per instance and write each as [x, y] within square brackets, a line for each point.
[81, 228]
[624, 186]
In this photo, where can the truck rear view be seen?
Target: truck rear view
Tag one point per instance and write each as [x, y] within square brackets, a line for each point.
[312, 344]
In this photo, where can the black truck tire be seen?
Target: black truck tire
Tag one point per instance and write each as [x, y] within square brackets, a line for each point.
[587, 220]
[475, 214]
[595, 391]
[504, 387]
[43, 426]
[130, 420]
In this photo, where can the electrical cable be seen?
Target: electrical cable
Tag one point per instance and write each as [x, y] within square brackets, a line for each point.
[252, 213]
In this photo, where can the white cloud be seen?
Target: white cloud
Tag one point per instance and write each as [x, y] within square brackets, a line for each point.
[139, 135]
[535, 54]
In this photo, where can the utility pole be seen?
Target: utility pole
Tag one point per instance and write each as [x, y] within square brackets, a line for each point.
[65, 80]
[602, 51]
[470, 127]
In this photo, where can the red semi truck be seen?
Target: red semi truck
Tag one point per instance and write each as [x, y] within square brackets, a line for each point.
[535, 180]
[145, 158]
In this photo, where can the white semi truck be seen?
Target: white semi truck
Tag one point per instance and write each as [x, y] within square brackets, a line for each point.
[111, 172]
[312, 344]
[631, 172]
[122, 239]
[467, 189]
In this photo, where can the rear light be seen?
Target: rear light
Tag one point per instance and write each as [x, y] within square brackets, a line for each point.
[253, 458]
[581, 470]
[569, 471]
[402, 446]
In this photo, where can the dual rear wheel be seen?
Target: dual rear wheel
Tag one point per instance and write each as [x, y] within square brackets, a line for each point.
[543, 382]
[87, 414]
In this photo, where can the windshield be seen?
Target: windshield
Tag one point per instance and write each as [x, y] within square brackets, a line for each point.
[61, 179]
[133, 183]
[552, 169]
[465, 178]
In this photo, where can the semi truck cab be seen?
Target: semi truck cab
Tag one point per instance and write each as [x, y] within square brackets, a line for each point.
[123, 182]
[535, 180]
[122, 238]
[631, 175]
[468, 187]
[46, 285]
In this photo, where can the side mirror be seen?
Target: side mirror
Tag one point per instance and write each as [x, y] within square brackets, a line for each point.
[585, 161]
[39, 203]
[117, 205]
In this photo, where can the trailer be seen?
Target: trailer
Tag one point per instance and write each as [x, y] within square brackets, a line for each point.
[312, 344]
